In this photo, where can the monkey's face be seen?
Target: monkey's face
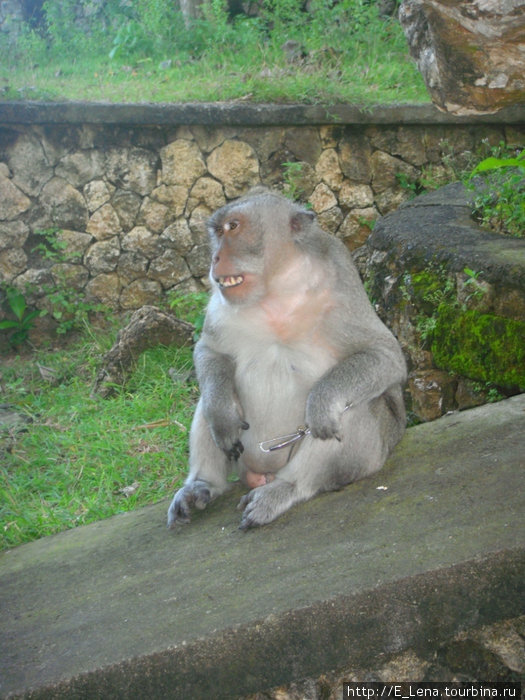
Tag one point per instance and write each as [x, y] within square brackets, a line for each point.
[254, 240]
[238, 254]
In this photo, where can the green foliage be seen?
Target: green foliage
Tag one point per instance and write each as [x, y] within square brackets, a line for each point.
[191, 307]
[407, 184]
[121, 51]
[68, 305]
[82, 458]
[292, 177]
[426, 181]
[146, 31]
[473, 283]
[414, 187]
[126, 40]
[490, 164]
[501, 205]
[367, 223]
[284, 16]
[489, 392]
[60, 20]
[430, 287]
[24, 319]
[51, 248]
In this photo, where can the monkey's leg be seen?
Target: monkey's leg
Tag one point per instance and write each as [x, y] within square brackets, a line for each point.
[320, 465]
[298, 481]
[207, 478]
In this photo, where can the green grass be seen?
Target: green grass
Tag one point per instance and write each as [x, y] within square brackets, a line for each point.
[84, 459]
[351, 54]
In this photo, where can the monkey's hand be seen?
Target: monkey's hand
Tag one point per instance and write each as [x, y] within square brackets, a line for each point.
[324, 412]
[226, 425]
[194, 495]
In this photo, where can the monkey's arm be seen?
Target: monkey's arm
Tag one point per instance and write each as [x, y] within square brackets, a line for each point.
[214, 436]
[358, 378]
[221, 407]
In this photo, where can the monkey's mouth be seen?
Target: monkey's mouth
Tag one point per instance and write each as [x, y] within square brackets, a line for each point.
[229, 282]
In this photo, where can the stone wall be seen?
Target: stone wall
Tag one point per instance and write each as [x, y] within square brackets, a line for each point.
[126, 205]
[495, 652]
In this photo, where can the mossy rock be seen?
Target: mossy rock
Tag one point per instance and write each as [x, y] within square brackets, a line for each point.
[485, 347]
[427, 285]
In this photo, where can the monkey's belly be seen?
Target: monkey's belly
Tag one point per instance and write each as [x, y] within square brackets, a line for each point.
[270, 417]
[256, 461]
[273, 384]
[271, 412]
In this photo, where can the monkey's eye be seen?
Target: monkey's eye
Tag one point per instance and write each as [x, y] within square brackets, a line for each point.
[231, 225]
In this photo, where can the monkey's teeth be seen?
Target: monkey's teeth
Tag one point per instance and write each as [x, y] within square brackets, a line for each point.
[230, 281]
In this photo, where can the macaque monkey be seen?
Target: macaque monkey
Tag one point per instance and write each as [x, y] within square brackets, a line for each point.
[290, 339]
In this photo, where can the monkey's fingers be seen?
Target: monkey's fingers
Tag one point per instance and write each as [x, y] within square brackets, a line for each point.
[202, 497]
[263, 504]
[247, 521]
[179, 510]
[178, 516]
[235, 451]
[244, 501]
[327, 431]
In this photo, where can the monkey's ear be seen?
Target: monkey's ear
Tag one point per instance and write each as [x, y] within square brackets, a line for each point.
[301, 220]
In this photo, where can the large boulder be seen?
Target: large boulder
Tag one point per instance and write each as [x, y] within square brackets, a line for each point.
[469, 52]
[453, 293]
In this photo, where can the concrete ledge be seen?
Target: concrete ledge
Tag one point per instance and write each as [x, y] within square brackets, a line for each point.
[451, 236]
[125, 609]
[236, 114]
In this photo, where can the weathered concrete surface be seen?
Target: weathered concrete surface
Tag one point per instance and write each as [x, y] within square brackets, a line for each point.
[125, 609]
[234, 114]
[438, 226]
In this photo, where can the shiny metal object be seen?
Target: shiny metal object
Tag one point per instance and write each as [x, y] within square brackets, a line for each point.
[277, 443]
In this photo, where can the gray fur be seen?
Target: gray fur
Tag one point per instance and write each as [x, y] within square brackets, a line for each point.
[299, 348]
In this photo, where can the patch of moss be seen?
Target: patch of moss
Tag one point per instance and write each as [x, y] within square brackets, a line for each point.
[481, 346]
[429, 287]
[426, 283]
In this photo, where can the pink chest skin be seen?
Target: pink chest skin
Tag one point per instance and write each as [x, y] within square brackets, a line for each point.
[297, 304]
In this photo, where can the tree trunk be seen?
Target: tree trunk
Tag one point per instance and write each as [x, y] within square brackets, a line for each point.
[190, 10]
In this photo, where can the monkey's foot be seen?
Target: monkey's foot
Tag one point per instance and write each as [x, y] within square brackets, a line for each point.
[196, 494]
[265, 503]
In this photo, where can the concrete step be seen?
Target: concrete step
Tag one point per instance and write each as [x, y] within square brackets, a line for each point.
[123, 608]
